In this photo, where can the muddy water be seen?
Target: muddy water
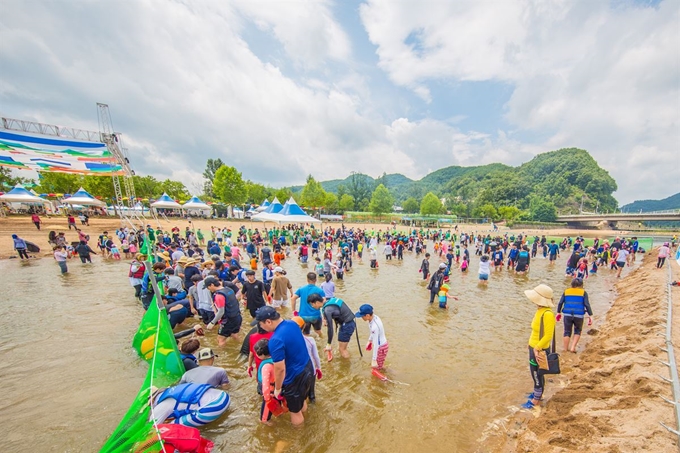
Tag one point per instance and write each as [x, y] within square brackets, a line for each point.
[70, 374]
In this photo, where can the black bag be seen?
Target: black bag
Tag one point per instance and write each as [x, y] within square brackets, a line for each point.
[553, 356]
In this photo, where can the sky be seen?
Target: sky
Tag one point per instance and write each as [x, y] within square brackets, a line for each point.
[283, 89]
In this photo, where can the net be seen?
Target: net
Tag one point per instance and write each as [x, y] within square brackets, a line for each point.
[155, 343]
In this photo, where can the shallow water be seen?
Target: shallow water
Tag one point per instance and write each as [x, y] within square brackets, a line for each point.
[70, 372]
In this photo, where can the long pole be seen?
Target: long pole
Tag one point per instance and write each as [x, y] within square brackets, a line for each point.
[356, 331]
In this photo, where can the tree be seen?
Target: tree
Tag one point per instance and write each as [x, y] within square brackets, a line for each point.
[229, 187]
[341, 190]
[330, 204]
[101, 186]
[257, 192]
[431, 205]
[283, 194]
[313, 195]
[175, 189]
[487, 211]
[360, 187]
[543, 210]
[509, 213]
[59, 183]
[7, 181]
[346, 203]
[381, 201]
[211, 168]
[411, 206]
[146, 186]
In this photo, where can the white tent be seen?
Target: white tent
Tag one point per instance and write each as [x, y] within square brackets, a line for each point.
[265, 205]
[195, 204]
[269, 214]
[165, 202]
[19, 194]
[83, 198]
[289, 213]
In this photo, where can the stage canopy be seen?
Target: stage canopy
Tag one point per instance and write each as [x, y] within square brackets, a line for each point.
[55, 154]
[83, 197]
[21, 195]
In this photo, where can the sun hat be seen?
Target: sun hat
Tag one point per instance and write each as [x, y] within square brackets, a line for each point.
[278, 269]
[183, 259]
[542, 295]
[442, 266]
[164, 255]
[364, 310]
[205, 354]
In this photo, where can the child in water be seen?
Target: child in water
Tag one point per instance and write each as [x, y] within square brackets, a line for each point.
[318, 267]
[444, 296]
[115, 253]
[265, 377]
[484, 269]
[464, 265]
[126, 248]
[377, 341]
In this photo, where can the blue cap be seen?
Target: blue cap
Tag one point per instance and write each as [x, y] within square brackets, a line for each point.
[364, 310]
[265, 313]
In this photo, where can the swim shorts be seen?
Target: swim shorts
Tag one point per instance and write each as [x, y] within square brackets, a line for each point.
[345, 332]
[572, 321]
[316, 323]
[483, 276]
[280, 303]
[297, 391]
[620, 264]
[232, 326]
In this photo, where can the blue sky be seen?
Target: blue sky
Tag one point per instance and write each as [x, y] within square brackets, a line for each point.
[284, 89]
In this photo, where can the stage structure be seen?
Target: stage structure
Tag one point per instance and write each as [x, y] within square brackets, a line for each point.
[48, 148]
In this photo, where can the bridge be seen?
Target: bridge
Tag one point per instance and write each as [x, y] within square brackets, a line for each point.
[613, 218]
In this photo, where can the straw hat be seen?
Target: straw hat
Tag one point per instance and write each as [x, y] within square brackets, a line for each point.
[164, 255]
[542, 295]
[140, 257]
[183, 259]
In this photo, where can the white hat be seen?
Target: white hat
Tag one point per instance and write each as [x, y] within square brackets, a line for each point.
[278, 269]
[542, 295]
[442, 266]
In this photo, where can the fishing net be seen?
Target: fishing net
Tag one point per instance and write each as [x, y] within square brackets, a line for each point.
[155, 342]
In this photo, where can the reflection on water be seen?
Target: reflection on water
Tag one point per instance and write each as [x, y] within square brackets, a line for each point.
[71, 374]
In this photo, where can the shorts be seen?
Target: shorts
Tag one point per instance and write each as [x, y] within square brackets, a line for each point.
[553, 257]
[483, 276]
[303, 258]
[297, 391]
[345, 332]
[230, 327]
[498, 262]
[442, 304]
[340, 275]
[570, 270]
[316, 323]
[521, 267]
[620, 264]
[280, 303]
[572, 321]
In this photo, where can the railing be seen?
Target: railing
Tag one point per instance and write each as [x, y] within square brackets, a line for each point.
[675, 383]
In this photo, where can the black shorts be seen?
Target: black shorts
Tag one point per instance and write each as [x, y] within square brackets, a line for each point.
[309, 324]
[230, 327]
[206, 315]
[521, 267]
[297, 391]
[620, 264]
[553, 257]
[572, 321]
[345, 332]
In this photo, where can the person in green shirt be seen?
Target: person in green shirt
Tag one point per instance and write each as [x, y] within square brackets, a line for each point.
[199, 236]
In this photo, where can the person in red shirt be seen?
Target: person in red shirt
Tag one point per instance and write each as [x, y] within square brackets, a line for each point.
[36, 220]
[252, 356]
[71, 222]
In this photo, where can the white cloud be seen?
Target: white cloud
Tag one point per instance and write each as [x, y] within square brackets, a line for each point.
[601, 78]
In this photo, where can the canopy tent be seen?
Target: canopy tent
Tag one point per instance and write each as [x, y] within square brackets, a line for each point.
[265, 205]
[165, 202]
[19, 194]
[83, 198]
[289, 213]
[195, 204]
[268, 215]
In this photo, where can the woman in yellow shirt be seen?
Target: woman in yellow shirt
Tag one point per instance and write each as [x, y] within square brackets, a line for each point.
[542, 296]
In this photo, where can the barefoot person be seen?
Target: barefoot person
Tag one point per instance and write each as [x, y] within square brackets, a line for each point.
[574, 305]
[228, 311]
[335, 311]
[542, 332]
[377, 341]
[20, 246]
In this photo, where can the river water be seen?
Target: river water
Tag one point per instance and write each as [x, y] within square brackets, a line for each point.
[70, 373]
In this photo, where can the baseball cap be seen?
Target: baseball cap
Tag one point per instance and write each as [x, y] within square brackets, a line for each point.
[205, 354]
[364, 310]
[278, 269]
[211, 281]
[265, 313]
[442, 266]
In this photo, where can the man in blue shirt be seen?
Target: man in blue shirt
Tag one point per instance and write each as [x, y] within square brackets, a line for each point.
[293, 371]
[312, 316]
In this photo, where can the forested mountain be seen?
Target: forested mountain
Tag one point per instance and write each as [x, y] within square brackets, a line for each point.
[672, 202]
[552, 182]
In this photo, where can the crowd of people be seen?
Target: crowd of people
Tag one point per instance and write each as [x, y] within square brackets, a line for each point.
[221, 276]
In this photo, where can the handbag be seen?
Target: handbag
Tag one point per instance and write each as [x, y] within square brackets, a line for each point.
[552, 355]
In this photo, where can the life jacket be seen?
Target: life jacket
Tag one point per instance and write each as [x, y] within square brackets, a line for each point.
[188, 356]
[188, 394]
[259, 369]
[230, 310]
[574, 302]
[139, 273]
[333, 301]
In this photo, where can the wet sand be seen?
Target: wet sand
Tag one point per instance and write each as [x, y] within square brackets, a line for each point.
[612, 400]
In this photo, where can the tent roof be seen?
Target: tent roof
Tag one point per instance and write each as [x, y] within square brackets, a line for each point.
[83, 197]
[292, 208]
[195, 203]
[165, 202]
[274, 207]
[19, 194]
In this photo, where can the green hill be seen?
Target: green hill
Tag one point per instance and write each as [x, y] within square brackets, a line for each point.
[672, 202]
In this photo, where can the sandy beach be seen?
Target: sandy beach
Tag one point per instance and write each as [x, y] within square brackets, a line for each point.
[611, 401]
